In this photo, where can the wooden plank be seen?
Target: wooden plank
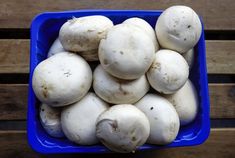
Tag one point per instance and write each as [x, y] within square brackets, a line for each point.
[216, 15]
[220, 144]
[222, 100]
[13, 98]
[14, 56]
[221, 57]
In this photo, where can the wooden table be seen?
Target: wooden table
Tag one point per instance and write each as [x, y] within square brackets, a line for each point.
[15, 19]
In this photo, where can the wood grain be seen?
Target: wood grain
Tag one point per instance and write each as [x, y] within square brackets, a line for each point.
[220, 144]
[13, 105]
[13, 98]
[220, 57]
[15, 14]
[14, 56]
[222, 100]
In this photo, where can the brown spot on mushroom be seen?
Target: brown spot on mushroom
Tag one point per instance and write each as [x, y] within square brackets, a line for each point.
[156, 66]
[114, 125]
[125, 93]
[185, 39]
[68, 73]
[105, 61]
[171, 80]
[44, 91]
[189, 26]
[121, 52]
[151, 108]
[133, 138]
[90, 30]
[120, 87]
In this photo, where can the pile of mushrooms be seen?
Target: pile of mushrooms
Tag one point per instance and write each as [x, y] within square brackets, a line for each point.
[119, 111]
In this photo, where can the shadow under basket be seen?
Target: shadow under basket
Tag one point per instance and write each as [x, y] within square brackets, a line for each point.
[44, 30]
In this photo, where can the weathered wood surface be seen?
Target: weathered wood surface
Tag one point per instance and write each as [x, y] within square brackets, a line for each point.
[219, 145]
[221, 57]
[13, 105]
[14, 56]
[217, 15]
[222, 100]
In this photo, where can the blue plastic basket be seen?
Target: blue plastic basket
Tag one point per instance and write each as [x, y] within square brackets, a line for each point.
[44, 30]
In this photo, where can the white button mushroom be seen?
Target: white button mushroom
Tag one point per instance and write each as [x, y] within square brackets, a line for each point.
[62, 79]
[55, 48]
[163, 118]
[178, 28]
[169, 72]
[117, 91]
[50, 120]
[122, 128]
[185, 102]
[84, 33]
[127, 52]
[145, 26]
[79, 119]
[189, 57]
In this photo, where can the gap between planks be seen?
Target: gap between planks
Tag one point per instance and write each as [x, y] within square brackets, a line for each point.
[220, 144]
[14, 56]
[13, 98]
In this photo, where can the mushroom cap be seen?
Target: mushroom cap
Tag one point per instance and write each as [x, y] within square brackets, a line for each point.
[55, 48]
[127, 52]
[178, 28]
[122, 128]
[169, 72]
[84, 33]
[145, 26]
[117, 91]
[185, 101]
[90, 55]
[62, 79]
[189, 57]
[79, 119]
[163, 118]
[50, 120]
